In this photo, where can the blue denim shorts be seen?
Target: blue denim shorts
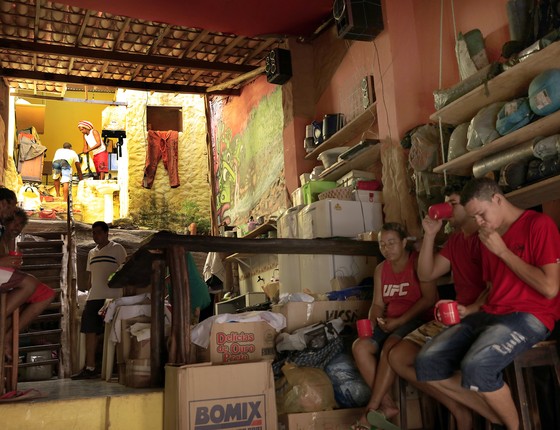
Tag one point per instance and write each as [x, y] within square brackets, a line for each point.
[62, 170]
[379, 336]
[481, 346]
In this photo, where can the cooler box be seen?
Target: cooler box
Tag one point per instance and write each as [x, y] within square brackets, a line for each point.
[336, 218]
[317, 270]
[339, 218]
[289, 264]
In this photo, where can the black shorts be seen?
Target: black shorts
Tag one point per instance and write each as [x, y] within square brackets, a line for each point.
[92, 322]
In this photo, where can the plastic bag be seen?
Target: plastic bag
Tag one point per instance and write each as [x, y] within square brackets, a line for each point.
[314, 336]
[482, 129]
[513, 115]
[350, 389]
[30, 198]
[458, 141]
[304, 389]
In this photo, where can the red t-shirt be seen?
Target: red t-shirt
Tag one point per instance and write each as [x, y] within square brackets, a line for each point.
[463, 252]
[534, 238]
[400, 290]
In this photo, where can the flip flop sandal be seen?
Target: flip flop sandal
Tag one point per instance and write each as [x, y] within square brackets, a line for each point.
[16, 396]
[377, 419]
[359, 426]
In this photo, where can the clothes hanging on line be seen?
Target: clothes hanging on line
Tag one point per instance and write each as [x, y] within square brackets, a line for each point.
[162, 145]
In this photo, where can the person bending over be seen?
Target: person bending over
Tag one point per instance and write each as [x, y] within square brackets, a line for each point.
[62, 168]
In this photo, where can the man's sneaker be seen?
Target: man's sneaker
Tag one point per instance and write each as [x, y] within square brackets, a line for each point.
[86, 374]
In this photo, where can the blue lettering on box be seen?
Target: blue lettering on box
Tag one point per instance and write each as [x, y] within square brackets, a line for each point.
[234, 413]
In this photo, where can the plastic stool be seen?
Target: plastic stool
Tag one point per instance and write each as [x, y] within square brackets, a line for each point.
[542, 354]
[8, 371]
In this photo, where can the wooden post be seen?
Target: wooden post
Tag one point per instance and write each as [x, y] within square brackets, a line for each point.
[157, 344]
[181, 322]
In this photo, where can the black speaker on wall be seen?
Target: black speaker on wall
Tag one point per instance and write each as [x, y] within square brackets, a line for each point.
[278, 66]
[358, 19]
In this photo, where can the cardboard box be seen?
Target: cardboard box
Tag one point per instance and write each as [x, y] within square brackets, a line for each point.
[340, 419]
[235, 342]
[300, 314]
[236, 396]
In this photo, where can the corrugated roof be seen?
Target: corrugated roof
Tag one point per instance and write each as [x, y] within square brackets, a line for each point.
[47, 46]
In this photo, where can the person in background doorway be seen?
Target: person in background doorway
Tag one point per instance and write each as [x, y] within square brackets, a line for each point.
[461, 256]
[94, 144]
[401, 303]
[21, 288]
[103, 260]
[521, 261]
[62, 168]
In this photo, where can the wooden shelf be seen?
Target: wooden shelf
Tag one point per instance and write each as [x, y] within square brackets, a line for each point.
[261, 229]
[362, 160]
[360, 124]
[545, 126]
[537, 193]
[508, 85]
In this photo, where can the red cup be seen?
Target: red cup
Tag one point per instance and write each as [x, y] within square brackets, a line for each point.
[17, 262]
[446, 312]
[364, 328]
[440, 211]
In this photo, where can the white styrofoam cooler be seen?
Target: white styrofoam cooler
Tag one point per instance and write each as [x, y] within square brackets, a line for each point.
[344, 218]
[289, 264]
[316, 271]
[326, 218]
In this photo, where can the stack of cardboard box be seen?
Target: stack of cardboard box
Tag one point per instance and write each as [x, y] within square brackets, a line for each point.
[235, 388]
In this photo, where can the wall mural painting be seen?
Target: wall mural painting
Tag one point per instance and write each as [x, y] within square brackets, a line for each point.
[248, 157]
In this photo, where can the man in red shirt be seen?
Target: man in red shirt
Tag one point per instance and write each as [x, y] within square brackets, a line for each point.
[461, 256]
[520, 261]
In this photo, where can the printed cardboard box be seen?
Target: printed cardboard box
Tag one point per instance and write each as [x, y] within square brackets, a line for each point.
[234, 397]
[340, 419]
[300, 314]
[235, 342]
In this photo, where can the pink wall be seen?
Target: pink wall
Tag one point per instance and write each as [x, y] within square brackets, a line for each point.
[413, 35]
[404, 60]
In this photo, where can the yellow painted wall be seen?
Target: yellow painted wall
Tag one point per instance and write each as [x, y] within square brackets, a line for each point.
[139, 412]
[61, 120]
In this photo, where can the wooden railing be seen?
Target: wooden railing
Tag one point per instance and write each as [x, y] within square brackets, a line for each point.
[165, 251]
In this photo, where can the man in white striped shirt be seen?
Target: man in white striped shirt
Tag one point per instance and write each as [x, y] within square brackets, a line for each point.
[103, 260]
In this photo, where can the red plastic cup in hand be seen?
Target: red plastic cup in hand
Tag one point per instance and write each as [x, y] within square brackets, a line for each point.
[364, 328]
[440, 211]
[17, 261]
[446, 311]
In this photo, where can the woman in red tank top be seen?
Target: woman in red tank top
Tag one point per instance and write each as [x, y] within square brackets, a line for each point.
[400, 304]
